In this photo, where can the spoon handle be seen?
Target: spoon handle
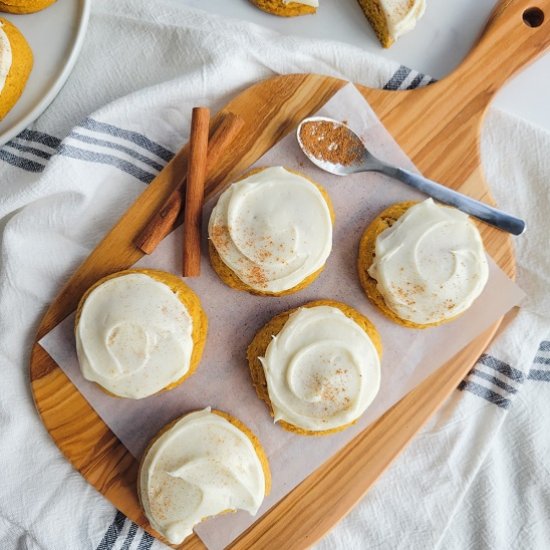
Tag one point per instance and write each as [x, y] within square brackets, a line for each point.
[488, 214]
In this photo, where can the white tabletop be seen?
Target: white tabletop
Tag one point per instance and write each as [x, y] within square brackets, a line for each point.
[441, 39]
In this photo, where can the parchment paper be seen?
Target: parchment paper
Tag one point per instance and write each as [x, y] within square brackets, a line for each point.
[223, 380]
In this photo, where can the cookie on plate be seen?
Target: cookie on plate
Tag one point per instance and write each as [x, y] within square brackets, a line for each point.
[24, 6]
[139, 332]
[271, 232]
[16, 61]
[422, 264]
[317, 367]
[287, 8]
[202, 464]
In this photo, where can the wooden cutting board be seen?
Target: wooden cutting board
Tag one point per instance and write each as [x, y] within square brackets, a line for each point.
[439, 128]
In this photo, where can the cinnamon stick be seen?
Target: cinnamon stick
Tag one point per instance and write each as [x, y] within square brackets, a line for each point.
[194, 192]
[167, 217]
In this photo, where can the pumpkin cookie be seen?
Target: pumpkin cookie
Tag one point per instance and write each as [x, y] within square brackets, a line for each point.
[271, 232]
[139, 332]
[200, 465]
[16, 61]
[317, 367]
[287, 8]
[422, 264]
[24, 6]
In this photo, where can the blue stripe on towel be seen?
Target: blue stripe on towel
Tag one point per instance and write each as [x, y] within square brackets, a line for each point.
[118, 147]
[494, 380]
[146, 541]
[129, 537]
[129, 135]
[539, 375]
[485, 393]
[398, 78]
[112, 533]
[21, 162]
[416, 81]
[26, 149]
[500, 392]
[40, 137]
[29, 136]
[502, 367]
[90, 156]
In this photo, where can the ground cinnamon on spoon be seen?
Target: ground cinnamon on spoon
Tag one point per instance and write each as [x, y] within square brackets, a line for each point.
[330, 142]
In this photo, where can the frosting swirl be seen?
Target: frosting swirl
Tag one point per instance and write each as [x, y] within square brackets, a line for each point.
[272, 229]
[203, 465]
[322, 369]
[134, 336]
[430, 265]
[5, 56]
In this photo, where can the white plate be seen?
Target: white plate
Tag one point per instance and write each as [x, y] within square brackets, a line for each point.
[55, 35]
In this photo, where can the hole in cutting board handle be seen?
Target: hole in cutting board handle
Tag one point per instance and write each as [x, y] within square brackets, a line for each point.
[533, 17]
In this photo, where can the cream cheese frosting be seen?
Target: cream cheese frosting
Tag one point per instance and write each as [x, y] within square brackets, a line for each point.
[402, 15]
[134, 336]
[430, 265]
[203, 465]
[322, 369]
[5, 57]
[272, 229]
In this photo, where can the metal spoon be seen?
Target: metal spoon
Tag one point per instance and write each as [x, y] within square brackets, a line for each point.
[366, 162]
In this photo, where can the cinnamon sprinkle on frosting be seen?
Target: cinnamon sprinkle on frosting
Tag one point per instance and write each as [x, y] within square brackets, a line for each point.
[272, 229]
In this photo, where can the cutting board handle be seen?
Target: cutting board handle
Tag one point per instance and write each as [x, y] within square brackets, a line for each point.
[518, 31]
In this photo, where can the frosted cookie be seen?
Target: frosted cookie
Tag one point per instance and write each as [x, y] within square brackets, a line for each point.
[422, 264]
[287, 8]
[390, 19]
[317, 367]
[139, 332]
[15, 65]
[24, 6]
[201, 465]
[271, 232]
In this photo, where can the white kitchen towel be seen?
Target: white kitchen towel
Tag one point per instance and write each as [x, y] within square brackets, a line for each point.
[65, 180]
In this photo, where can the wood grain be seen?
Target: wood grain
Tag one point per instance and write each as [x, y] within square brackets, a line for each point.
[439, 128]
